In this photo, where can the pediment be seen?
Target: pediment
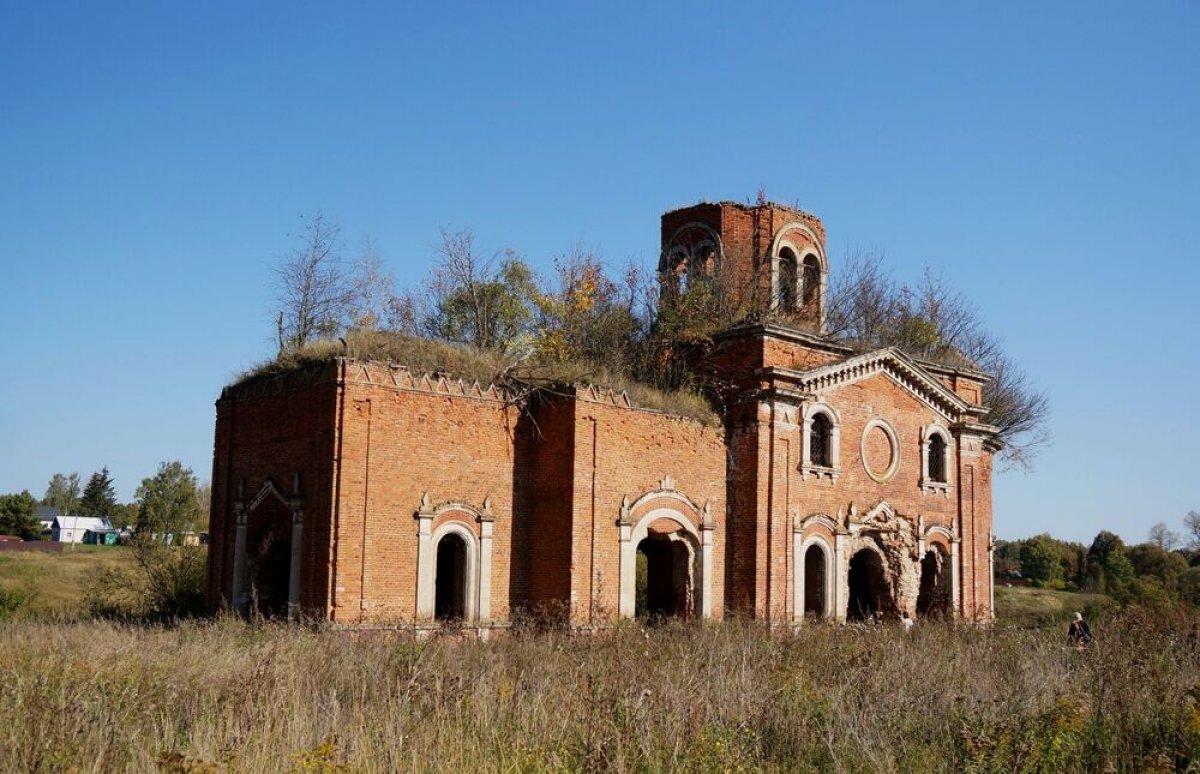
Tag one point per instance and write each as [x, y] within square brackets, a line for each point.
[889, 362]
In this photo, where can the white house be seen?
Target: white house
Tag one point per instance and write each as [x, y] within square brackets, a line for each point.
[71, 529]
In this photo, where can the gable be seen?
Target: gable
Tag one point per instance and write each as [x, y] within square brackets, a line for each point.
[882, 395]
[891, 364]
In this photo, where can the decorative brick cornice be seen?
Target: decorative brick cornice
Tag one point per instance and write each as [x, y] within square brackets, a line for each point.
[400, 377]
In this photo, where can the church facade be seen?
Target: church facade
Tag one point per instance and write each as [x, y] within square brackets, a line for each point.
[838, 484]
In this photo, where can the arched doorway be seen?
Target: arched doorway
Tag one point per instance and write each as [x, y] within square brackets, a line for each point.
[664, 578]
[450, 579]
[933, 598]
[815, 580]
[869, 592]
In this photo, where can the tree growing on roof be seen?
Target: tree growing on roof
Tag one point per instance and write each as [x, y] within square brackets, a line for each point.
[476, 300]
[930, 320]
[314, 288]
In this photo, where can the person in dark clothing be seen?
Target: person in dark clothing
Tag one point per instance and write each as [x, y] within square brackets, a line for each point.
[1078, 632]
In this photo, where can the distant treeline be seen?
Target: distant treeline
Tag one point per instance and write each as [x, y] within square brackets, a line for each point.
[1159, 571]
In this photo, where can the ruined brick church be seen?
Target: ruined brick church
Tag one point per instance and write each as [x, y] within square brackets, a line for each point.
[839, 484]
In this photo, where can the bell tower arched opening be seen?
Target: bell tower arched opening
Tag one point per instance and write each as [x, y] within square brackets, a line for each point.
[810, 288]
[786, 281]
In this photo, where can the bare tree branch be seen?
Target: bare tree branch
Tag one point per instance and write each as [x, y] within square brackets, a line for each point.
[314, 292]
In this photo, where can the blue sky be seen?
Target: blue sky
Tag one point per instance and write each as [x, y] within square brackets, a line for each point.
[156, 158]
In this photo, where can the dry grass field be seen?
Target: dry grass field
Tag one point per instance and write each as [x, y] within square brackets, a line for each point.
[54, 584]
[227, 695]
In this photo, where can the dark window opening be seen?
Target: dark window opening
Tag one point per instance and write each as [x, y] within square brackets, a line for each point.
[819, 442]
[937, 459]
[869, 595]
[812, 283]
[787, 281]
[814, 582]
[707, 262]
[450, 584]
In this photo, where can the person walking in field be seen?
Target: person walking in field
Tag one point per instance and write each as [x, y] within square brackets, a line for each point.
[1078, 632]
[906, 621]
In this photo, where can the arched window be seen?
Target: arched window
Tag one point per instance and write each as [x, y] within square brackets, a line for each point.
[818, 441]
[786, 281]
[937, 459]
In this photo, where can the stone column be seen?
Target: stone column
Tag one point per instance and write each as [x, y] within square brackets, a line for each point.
[240, 598]
[992, 575]
[627, 602]
[798, 570]
[293, 604]
[486, 521]
[840, 568]
[706, 565]
[425, 559]
[955, 572]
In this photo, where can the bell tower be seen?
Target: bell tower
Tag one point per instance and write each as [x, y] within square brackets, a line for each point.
[766, 258]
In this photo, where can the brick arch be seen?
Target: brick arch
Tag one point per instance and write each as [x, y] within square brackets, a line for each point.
[814, 246]
[454, 512]
[674, 246]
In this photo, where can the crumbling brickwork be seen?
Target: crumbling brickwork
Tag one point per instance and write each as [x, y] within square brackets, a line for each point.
[840, 484]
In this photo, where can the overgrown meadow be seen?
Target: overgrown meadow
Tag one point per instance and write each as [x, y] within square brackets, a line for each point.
[229, 695]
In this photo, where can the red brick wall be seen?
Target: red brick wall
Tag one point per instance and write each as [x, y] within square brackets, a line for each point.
[556, 477]
[398, 444]
[621, 452]
[274, 430]
[975, 501]
[553, 494]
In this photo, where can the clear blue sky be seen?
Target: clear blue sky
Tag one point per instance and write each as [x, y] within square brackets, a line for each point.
[155, 159]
